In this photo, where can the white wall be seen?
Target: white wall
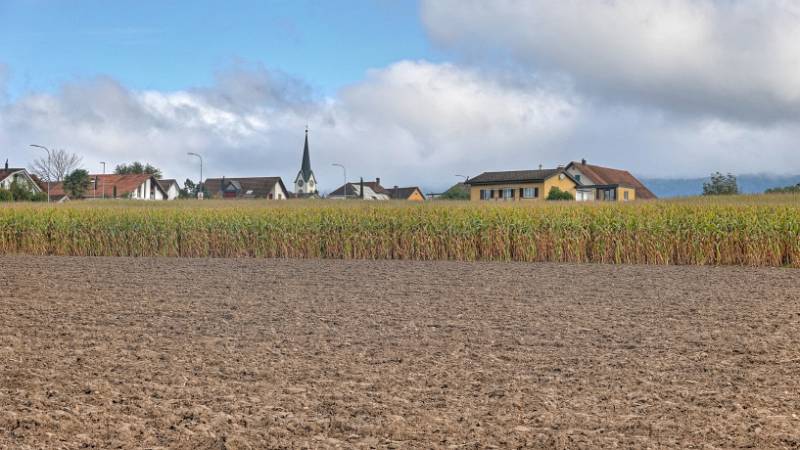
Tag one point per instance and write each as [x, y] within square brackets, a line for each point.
[172, 192]
[277, 192]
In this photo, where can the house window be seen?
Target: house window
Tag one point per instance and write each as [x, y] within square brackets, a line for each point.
[577, 178]
[625, 195]
[486, 194]
[508, 194]
[529, 192]
[608, 195]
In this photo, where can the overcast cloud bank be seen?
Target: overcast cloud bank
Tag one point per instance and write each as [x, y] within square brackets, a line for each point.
[663, 88]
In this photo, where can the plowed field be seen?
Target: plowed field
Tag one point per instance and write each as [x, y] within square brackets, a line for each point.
[246, 353]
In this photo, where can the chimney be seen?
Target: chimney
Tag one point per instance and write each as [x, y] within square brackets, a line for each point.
[361, 183]
[583, 162]
[394, 194]
[6, 163]
[540, 167]
[378, 181]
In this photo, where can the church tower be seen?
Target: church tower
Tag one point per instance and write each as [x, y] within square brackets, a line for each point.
[306, 182]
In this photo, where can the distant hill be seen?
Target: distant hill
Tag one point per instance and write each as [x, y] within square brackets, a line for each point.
[748, 184]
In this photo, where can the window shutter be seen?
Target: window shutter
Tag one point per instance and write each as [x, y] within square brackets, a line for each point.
[521, 192]
[536, 192]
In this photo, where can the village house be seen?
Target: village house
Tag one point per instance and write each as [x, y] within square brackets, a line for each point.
[171, 188]
[129, 186]
[372, 190]
[412, 193]
[585, 182]
[520, 185]
[9, 175]
[361, 190]
[603, 183]
[271, 188]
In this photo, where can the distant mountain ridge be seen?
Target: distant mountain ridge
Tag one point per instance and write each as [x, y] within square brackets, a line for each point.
[748, 184]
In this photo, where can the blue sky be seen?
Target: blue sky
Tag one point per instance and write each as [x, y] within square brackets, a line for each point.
[169, 44]
[411, 91]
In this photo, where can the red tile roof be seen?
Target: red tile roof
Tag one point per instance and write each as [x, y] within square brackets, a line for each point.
[125, 184]
[605, 175]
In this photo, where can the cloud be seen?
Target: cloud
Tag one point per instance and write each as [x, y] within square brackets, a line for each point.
[409, 123]
[736, 60]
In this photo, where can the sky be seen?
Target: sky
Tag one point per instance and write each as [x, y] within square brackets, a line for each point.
[413, 92]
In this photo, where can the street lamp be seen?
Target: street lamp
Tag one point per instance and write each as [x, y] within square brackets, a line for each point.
[466, 178]
[345, 178]
[200, 184]
[48, 172]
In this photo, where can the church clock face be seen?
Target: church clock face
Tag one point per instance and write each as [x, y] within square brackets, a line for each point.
[300, 183]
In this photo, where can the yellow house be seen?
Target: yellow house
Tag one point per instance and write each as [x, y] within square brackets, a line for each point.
[520, 185]
[412, 193]
[606, 184]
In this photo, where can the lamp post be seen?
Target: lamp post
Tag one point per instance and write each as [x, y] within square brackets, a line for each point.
[200, 184]
[466, 178]
[345, 178]
[49, 173]
[104, 179]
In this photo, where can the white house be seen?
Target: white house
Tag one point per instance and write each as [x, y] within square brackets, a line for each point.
[363, 190]
[171, 188]
[21, 176]
[270, 188]
[131, 186]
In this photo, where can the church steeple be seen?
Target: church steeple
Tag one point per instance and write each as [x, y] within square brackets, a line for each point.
[306, 167]
[306, 182]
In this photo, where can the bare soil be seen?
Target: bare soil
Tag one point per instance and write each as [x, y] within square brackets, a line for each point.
[214, 353]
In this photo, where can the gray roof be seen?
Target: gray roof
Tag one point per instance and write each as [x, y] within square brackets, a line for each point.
[166, 183]
[351, 190]
[261, 186]
[514, 176]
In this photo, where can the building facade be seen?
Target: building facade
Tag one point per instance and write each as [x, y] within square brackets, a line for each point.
[520, 185]
[171, 188]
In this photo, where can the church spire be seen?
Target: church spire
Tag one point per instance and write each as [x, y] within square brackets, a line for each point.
[306, 167]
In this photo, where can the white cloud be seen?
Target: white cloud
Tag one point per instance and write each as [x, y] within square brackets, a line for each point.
[409, 123]
[413, 122]
[735, 59]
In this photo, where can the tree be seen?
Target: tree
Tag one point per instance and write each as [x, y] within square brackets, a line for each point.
[137, 168]
[77, 183]
[60, 163]
[557, 194]
[20, 191]
[720, 184]
[784, 190]
[189, 189]
[459, 191]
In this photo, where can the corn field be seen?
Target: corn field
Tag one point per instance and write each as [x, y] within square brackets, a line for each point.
[752, 231]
